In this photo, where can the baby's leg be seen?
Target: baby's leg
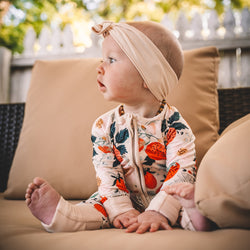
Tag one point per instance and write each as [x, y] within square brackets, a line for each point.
[42, 200]
[184, 192]
[59, 215]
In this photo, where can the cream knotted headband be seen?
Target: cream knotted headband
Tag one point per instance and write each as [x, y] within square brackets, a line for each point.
[146, 57]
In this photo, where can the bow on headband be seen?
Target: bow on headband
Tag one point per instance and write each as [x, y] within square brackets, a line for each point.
[145, 56]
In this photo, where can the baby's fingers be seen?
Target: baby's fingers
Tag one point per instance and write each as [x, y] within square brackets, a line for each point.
[154, 227]
[132, 228]
[130, 222]
[159, 226]
[144, 227]
[117, 224]
[165, 226]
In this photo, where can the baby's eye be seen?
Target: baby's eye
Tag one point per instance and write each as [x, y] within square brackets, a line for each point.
[111, 60]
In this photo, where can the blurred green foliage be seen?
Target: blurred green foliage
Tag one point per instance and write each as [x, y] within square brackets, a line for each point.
[36, 13]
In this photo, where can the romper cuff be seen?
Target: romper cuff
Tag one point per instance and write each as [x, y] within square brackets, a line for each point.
[71, 218]
[117, 205]
[167, 205]
[56, 223]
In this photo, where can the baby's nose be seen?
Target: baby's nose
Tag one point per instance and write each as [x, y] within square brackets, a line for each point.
[100, 69]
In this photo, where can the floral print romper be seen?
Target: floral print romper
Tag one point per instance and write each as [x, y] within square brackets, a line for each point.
[135, 157]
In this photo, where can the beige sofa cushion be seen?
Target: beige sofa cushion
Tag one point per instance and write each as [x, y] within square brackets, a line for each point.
[235, 124]
[63, 102]
[21, 231]
[196, 97]
[223, 180]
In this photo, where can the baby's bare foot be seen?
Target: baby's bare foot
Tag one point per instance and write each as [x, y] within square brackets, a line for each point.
[42, 200]
[184, 192]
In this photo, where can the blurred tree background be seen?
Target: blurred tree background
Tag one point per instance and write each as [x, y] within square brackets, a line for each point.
[18, 15]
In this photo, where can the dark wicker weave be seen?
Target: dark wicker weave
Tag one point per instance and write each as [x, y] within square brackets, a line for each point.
[11, 119]
[233, 104]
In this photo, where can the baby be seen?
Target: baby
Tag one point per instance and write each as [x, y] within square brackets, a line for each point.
[143, 150]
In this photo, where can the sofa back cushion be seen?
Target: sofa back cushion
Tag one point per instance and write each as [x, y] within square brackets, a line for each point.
[63, 101]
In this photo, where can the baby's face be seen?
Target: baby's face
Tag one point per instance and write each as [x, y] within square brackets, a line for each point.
[118, 79]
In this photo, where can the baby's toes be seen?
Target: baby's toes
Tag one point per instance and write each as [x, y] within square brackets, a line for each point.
[28, 201]
[166, 189]
[183, 194]
[177, 190]
[27, 194]
[32, 186]
[170, 190]
[187, 192]
[30, 190]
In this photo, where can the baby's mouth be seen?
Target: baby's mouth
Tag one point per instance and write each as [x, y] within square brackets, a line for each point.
[101, 85]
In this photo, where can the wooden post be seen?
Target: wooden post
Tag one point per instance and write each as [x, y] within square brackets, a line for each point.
[5, 60]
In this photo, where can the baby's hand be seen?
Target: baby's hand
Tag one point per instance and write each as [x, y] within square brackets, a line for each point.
[126, 219]
[149, 221]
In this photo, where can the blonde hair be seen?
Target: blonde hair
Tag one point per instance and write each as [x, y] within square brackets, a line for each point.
[165, 41]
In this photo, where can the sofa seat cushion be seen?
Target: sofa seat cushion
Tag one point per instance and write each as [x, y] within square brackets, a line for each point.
[20, 230]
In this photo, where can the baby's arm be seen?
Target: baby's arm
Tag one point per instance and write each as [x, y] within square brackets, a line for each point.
[110, 177]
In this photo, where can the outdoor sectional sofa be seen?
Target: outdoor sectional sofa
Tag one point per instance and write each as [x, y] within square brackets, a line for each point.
[49, 136]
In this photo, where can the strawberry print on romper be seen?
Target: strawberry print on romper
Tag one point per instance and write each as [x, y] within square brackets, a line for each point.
[97, 201]
[138, 160]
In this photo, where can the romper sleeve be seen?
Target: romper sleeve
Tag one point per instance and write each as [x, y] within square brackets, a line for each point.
[109, 174]
[180, 163]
